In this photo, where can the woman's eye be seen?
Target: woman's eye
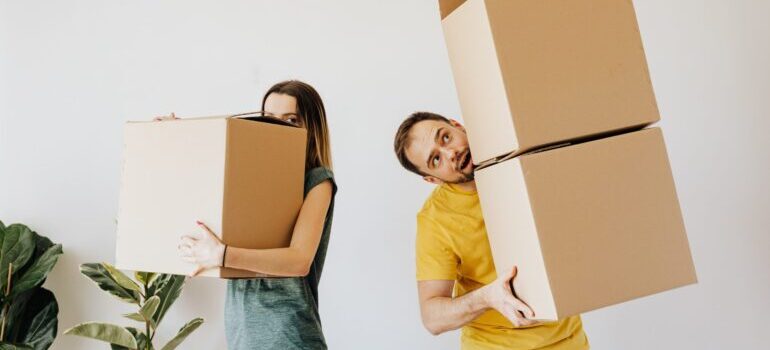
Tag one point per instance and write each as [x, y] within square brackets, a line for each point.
[292, 120]
[435, 161]
[446, 138]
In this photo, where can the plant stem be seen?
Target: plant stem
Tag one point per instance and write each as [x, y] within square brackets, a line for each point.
[147, 322]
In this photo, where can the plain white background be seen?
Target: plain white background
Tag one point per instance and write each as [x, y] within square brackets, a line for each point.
[71, 73]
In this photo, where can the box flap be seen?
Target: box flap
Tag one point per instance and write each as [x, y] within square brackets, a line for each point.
[446, 7]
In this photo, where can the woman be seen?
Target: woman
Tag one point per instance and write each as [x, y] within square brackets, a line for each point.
[281, 311]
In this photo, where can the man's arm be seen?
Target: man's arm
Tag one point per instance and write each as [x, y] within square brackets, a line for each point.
[440, 312]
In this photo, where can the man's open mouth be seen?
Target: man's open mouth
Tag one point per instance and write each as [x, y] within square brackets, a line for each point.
[465, 160]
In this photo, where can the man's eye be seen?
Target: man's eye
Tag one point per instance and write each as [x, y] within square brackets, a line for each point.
[446, 138]
[435, 161]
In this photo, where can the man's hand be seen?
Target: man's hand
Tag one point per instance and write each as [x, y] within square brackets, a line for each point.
[442, 312]
[499, 296]
[204, 249]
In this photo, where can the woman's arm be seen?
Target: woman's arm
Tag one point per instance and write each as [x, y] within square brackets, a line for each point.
[208, 251]
[296, 259]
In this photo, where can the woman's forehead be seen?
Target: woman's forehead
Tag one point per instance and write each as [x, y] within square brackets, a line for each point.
[280, 104]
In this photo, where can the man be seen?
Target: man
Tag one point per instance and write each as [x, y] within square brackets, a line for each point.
[456, 279]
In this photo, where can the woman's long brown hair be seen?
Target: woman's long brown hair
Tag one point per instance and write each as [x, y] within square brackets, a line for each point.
[312, 116]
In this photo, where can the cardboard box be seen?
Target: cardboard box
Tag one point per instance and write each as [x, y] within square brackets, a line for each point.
[243, 178]
[532, 73]
[588, 225]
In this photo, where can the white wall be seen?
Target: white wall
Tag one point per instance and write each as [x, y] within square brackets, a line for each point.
[72, 72]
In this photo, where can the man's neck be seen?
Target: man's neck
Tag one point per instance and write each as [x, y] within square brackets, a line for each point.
[469, 186]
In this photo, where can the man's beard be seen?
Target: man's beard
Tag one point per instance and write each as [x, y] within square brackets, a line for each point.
[463, 179]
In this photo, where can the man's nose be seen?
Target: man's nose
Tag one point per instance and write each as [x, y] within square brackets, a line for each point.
[450, 154]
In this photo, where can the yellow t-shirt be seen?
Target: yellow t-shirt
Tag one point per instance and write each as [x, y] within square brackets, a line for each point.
[452, 244]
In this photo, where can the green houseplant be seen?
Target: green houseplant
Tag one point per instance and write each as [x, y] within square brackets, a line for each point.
[28, 312]
[152, 293]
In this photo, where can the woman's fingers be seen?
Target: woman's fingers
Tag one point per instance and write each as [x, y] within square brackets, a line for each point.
[208, 231]
[198, 271]
[171, 116]
[188, 240]
[186, 251]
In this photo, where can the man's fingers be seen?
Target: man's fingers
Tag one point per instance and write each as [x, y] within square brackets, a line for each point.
[523, 308]
[525, 322]
[513, 317]
[518, 305]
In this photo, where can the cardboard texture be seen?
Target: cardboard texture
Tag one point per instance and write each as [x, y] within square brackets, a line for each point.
[531, 73]
[588, 225]
[243, 178]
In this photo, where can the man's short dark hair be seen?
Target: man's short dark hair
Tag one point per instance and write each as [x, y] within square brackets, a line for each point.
[402, 137]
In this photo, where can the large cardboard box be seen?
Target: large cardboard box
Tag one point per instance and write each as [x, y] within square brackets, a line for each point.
[588, 225]
[532, 73]
[243, 178]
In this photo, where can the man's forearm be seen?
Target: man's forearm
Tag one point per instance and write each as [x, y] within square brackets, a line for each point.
[441, 314]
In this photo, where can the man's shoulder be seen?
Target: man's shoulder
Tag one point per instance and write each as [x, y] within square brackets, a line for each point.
[434, 204]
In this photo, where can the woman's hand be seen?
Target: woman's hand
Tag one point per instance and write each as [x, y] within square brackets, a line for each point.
[204, 249]
[171, 116]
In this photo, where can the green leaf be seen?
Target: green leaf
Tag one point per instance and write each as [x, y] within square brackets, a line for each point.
[169, 288]
[135, 316]
[121, 278]
[146, 278]
[37, 271]
[149, 308]
[17, 315]
[2, 226]
[183, 333]
[16, 246]
[141, 340]
[97, 273]
[41, 320]
[7, 346]
[42, 244]
[105, 332]
[146, 312]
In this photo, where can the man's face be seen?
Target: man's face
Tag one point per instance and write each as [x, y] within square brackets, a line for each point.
[440, 150]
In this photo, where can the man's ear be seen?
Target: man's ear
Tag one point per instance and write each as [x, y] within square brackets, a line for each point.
[456, 124]
[432, 179]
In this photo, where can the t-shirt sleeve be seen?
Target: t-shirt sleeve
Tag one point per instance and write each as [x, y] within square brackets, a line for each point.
[316, 176]
[435, 258]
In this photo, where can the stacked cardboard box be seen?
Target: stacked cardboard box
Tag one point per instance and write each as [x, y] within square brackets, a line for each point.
[555, 95]
[243, 177]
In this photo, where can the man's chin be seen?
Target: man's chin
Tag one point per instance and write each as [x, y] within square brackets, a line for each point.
[464, 178]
